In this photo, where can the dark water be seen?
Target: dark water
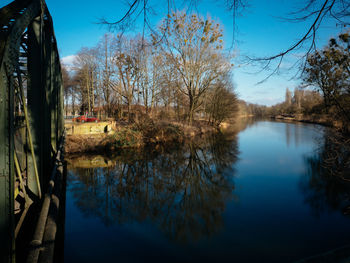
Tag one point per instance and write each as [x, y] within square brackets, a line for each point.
[261, 195]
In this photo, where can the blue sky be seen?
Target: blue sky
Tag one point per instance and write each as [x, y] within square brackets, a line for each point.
[259, 32]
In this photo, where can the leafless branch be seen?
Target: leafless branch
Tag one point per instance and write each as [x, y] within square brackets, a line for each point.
[314, 10]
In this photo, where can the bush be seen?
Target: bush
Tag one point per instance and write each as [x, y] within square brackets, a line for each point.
[158, 132]
[127, 137]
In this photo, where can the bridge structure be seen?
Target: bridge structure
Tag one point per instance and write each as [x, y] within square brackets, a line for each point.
[31, 123]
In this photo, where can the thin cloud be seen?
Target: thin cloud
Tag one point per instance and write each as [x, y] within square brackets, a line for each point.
[68, 61]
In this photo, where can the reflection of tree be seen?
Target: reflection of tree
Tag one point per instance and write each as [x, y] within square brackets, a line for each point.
[296, 133]
[241, 124]
[326, 185]
[183, 190]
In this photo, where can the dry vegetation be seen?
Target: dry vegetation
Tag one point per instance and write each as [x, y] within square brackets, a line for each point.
[137, 135]
[157, 90]
[187, 72]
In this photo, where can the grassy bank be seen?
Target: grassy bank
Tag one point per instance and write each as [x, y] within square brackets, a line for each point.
[322, 119]
[138, 135]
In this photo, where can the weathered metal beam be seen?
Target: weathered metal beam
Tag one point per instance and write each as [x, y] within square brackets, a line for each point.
[6, 170]
[9, 52]
[30, 138]
[42, 247]
[11, 11]
[47, 148]
[35, 101]
[45, 106]
[60, 100]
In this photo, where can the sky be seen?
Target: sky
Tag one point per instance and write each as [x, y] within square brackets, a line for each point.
[259, 32]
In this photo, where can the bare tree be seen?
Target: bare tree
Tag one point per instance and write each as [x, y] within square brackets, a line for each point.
[67, 86]
[107, 71]
[194, 50]
[127, 60]
[312, 13]
[85, 66]
[151, 65]
[169, 93]
[221, 102]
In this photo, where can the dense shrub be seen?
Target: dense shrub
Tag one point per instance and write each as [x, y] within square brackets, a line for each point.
[126, 137]
[158, 132]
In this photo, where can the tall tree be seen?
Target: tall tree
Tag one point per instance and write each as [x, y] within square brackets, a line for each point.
[127, 60]
[298, 97]
[151, 66]
[194, 46]
[85, 66]
[67, 86]
[288, 98]
[107, 71]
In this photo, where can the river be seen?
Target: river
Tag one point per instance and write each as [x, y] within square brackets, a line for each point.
[262, 194]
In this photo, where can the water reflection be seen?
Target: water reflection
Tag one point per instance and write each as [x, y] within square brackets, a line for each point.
[182, 190]
[179, 205]
[299, 133]
[326, 185]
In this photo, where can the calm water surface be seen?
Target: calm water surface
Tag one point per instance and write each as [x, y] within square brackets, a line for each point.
[260, 195]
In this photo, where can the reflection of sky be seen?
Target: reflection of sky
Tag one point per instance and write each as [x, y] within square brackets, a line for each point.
[275, 148]
[271, 206]
[269, 220]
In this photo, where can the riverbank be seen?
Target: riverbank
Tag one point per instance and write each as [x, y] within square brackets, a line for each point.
[324, 120]
[121, 135]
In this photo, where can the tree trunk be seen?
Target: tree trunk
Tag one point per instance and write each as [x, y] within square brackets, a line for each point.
[129, 112]
[190, 113]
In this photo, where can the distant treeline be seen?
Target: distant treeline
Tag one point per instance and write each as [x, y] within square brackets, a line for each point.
[300, 101]
[325, 88]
